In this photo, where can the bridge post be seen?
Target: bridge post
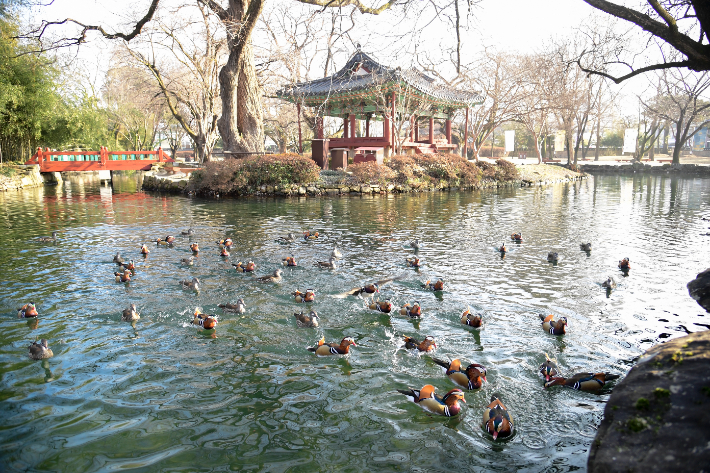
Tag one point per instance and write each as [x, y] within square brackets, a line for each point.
[160, 154]
[40, 158]
[103, 155]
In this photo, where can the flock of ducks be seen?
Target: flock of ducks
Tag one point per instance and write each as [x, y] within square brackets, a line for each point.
[497, 421]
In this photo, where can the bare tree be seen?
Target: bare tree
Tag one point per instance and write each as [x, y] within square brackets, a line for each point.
[684, 104]
[534, 107]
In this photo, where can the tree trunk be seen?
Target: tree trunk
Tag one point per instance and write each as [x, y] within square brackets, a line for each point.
[537, 149]
[599, 141]
[666, 132]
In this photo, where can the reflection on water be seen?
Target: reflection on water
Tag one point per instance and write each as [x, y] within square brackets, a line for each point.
[161, 395]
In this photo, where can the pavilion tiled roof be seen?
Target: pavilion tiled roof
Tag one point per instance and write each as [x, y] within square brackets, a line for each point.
[352, 77]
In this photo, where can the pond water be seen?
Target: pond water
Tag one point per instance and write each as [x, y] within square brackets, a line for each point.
[161, 395]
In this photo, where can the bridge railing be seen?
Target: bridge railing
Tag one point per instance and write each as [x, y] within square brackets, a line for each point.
[103, 156]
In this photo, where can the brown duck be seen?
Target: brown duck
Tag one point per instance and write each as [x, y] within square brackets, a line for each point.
[307, 320]
[427, 345]
[326, 349]
[588, 382]
[470, 319]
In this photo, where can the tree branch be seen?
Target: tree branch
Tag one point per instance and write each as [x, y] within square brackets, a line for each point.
[618, 80]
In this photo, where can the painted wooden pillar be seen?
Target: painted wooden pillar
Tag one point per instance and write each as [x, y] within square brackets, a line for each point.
[465, 137]
[353, 126]
[367, 126]
[319, 128]
[346, 126]
[412, 121]
[448, 130]
[386, 127]
[416, 128]
[300, 137]
[431, 130]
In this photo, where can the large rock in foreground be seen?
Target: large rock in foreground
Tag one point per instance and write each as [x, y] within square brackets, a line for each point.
[658, 418]
[699, 289]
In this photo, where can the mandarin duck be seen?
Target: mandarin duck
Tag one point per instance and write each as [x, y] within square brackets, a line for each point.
[160, 241]
[307, 320]
[195, 248]
[336, 253]
[130, 314]
[516, 236]
[125, 276]
[40, 350]
[609, 284]
[117, 259]
[585, 247]
[169, 239]
[554, 327]
[427, 345]
[48, 238]
[206, 321]
[290, 238]
[330, 264]
[588, 382]
[130, 266]
[369, 288]
[325, 349]
[244, 268]
[413, 262]
[553, 257]
[444, 406]
[549, 368]
[27, 311]
[289, 261]
[226, 242]
[471, 378]
[308, 235]
[382, 306]
[223, 252]
[496, 419]
[193, 285]
[239, 307]
[437, 286]
[624, 264]
[144, 250]
[273, 277]
[502, 249]
[413, 310]
[471, 320]
[188, 261]
[308, 296]
[415, 244]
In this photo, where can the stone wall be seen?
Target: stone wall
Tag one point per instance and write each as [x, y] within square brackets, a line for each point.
[24, 177]
[642, 168]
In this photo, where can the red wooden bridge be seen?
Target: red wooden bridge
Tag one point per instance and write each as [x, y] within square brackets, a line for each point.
[103, 160]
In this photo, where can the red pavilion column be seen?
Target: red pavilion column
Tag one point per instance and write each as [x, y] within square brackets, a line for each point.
[416, 128]
[353, 124]
[448, 130]
[346, 126]
[431, 130]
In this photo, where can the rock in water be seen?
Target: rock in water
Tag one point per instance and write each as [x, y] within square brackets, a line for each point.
[657, 418]
[699, 289]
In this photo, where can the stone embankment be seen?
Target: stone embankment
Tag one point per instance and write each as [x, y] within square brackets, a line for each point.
[692, 170]
[21, 177]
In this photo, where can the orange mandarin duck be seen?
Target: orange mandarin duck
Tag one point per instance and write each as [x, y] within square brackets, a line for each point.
[169, 239]
[428, 345]
[144, 250]
[308, 296]
[307, 320]
[308, 235]
[588, 382]
[444, 406]
[554, 327]
[517, 237]
[414, 262]
[471, 320]
[206, 321]
[226, 242]
[624, 265]
[326, 349]
[195, 248]
[290, 261]
[224, 252]
[125, 276]
[130, 266]
[471, 378]
[497, 420]
[412, 310]
[244, 268]
[27, 311]
[382, 306]
[502, 249]
[549, 368]
[437, 286]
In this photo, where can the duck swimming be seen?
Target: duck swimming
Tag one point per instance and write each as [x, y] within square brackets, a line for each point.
[471, 378]
[130, 314]
[471, 320]
[27, 311]
[502, 249]
[125, 276]
[381, 306]
[289, 261]
[585, 247]
[496, 419]
[307, 320]
[444, 406]
[336, 253]
[609, 284]
[415, 244]
[48, 238]
[412, 310]
[117, 259]
[226, 242]
[244, 268]
[308, 296]
[188, 261]
[187, 232]
[427, 345]
[205, 321]
[549, 368]
[553, 257]
[624, 264]
[224, 252]
[517, 237]
[40, 350]
[193, 285]
[273, 277]
[195, 248]
[326, 349]
[554, 327]
[130, 266]
[413, 262]
[330, 264]
[437, 286]
[308, 235]
[369, 288]
[239, 307]
[588, 382]
[290, 238]
[144, 250]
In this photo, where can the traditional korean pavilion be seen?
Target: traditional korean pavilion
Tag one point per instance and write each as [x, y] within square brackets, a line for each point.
[404, 100]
